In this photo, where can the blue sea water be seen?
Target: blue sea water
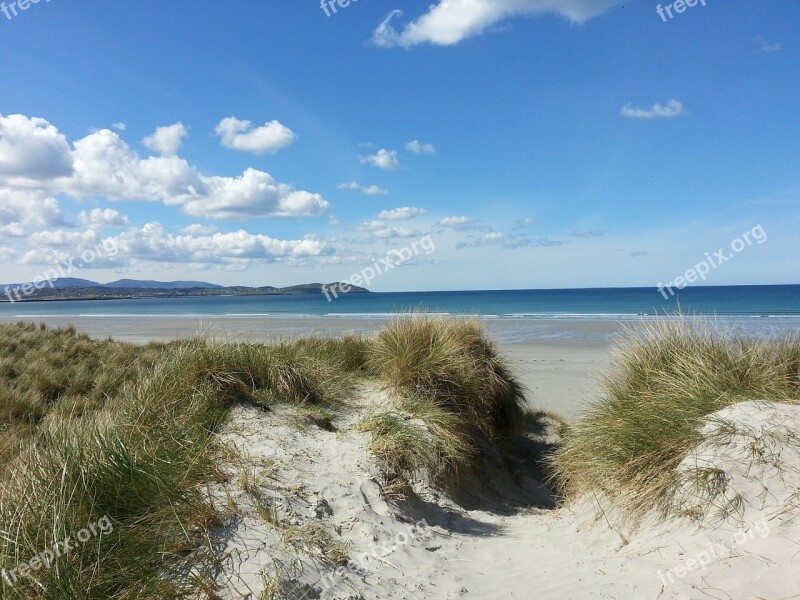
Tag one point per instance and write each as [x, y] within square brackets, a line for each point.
[770, 301]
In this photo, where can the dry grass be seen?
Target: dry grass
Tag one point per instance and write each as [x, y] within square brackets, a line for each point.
[667, 377]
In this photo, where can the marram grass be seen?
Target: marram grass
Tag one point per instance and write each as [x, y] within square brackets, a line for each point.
[666, 377]
[94, 430]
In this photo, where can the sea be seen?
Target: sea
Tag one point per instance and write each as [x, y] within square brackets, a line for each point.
[757, 310]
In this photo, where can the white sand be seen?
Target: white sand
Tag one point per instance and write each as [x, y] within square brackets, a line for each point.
[500, 549]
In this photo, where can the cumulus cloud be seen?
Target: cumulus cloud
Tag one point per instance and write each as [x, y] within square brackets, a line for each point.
[32, 149]
[405, 212]
[418, 147]
[382, 159]
[166, 140]
[241, 135]
[119, 126]
[153, 244]
[448, 22]
[673, 108]
[23, 211]
[254, 193]
[99, 218]
[103, 165]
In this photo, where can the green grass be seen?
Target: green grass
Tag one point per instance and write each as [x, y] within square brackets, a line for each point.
[453, 391]
[666, 378]
[92, 429]
[99, 429]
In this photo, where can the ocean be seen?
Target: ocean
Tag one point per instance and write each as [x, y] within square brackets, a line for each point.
[512, 316]
[763, 301]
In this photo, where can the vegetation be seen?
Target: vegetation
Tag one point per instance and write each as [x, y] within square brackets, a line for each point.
[455, 395]
[667, 378]
[93, 430]
[101, 430]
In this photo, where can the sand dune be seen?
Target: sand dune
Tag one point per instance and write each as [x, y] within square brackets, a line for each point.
[430, 546]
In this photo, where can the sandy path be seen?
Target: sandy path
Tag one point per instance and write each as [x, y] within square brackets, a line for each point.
[502, 549]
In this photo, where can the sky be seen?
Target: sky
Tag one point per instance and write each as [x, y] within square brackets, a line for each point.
[529, 143]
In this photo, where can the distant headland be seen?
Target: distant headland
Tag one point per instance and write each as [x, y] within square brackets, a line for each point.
[70, 288]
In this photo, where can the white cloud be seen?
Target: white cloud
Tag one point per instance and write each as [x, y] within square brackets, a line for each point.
[255, 193]
[353, 185]
[166, 140]
[22, 211]
[381, 231]
[103, 165]
[673, 108]
[32, 149]
[106, 166]
[418, 147]
[374, 190]
[371, 190]
[448, 22]
[197, 229]
[587, 234]
[100, 219]
[152, 242]
[241, 135]
[119, 126]
[457, 222]
[405, 212]
[383, 159]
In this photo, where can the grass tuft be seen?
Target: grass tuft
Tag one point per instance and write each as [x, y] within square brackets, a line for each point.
[454, 391]
[668, 377]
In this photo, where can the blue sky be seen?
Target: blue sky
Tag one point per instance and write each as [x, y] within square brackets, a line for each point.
[539, 143]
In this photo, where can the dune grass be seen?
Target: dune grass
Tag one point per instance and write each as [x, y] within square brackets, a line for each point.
[667, 377]
[454, 391]
[94, 430]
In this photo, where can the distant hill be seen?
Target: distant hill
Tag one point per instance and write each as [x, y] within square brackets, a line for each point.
[71, 288]
[159, 285]
[67, 282]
